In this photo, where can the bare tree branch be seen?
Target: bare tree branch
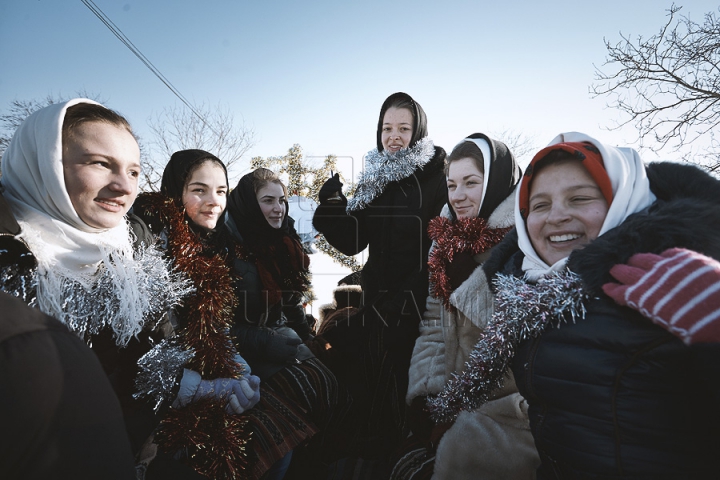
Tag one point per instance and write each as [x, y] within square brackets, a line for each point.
[178, 128]
[668, 85]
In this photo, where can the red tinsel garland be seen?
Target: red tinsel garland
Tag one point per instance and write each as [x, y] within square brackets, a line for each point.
[214, 440]
[470, 235]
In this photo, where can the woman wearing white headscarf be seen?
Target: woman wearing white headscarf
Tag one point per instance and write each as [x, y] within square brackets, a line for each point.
[69, 176]
[611, 394]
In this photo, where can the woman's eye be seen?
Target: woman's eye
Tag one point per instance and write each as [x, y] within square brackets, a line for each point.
[134, 174]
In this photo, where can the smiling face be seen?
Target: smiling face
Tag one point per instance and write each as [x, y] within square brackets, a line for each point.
[397, 129]
[101, 167]
[566, 210]
[271, 198]
[205, 194]
[465, 187]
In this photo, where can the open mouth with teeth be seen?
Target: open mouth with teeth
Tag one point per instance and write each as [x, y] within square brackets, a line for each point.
[564, 238]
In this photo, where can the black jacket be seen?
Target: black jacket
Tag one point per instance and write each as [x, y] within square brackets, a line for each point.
[257, 322]
[394, 227]
[615, 396]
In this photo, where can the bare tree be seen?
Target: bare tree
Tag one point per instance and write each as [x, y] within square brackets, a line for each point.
[207, 128]
[521, 145]
[668, 84]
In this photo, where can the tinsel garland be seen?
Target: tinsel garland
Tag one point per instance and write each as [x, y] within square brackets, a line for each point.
[384, 167]
[522, 311]
[213, 439]
[470, 235]
[88, 309]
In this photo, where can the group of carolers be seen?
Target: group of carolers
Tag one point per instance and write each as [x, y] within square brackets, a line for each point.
[557, 323]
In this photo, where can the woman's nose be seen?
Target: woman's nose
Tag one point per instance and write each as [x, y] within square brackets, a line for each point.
[124, 184]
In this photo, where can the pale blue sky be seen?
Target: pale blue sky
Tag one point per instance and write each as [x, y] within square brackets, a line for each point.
[316, 73]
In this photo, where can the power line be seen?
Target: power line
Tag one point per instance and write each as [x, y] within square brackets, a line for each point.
[126, 41]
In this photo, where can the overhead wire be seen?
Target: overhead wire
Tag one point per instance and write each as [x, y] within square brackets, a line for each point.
[136, 51]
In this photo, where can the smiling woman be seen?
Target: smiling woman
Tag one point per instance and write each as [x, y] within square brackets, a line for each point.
[68, 248]
[101, 166]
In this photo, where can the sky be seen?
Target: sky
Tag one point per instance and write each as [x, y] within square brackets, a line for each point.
[315, 73]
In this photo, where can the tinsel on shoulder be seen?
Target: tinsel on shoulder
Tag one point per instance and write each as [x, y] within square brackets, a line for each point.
[469, 235]
[384, 167]
[88, 305]
[523, 310]
[213, 439]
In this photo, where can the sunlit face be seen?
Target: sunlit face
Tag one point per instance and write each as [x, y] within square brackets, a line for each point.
[397, 129]
[566, 210]
[101, 167]
[271, 198]
[205, 195]
[465, 187]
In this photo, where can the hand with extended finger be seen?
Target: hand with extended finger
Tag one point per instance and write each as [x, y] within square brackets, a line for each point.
[678, 290]
[331, 191]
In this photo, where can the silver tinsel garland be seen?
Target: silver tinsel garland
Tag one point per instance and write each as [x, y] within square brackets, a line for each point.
[88, 309]
[158, 371]
[522, 311]
[384, 167]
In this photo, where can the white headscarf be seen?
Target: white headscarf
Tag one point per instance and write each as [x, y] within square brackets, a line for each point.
[631, 194]
[72, 256]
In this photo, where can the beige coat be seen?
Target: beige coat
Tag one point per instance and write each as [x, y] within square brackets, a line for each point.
[494, 441]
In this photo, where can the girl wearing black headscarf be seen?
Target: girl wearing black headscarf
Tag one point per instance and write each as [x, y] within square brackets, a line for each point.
[401, 189]
[270, 325]
[493, 441]
[219, 410]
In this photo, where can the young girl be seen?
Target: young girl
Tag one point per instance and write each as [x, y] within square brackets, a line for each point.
[69, 176]
[493, 441]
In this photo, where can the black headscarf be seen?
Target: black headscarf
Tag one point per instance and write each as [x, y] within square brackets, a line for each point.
[279, 256]
[419, 118]
[249, 219]
[178, 168]
[504, 175]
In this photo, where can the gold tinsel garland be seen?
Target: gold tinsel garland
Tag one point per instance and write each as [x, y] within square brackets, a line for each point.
[470, 235]
[213, 439]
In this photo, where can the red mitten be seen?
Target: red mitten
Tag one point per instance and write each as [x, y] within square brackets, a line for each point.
[678, 290]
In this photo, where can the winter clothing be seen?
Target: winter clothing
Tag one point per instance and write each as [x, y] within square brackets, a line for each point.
[395, 198]
[493, 441]
[259, 422]
[92, 280]
[612, 395]
[271, 279]
[676, 290]
[60, 417]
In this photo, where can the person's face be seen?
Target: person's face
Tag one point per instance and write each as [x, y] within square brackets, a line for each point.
[101, 167]
[397, 129]
[465, 188]
[566, 210]
[205, 195]
[272, 203]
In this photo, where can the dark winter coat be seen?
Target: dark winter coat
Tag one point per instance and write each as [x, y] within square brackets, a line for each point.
[60, 417]
[256, 322]
[615, 396]
[394, 227]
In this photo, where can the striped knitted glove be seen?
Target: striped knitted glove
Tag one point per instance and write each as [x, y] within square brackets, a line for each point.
[678, 290]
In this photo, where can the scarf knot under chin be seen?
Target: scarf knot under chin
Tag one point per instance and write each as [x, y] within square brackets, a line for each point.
[384, 167]
[523, 310]
[455, 242]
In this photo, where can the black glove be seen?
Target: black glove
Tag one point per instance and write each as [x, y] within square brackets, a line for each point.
[331, 189]
[282, 348]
